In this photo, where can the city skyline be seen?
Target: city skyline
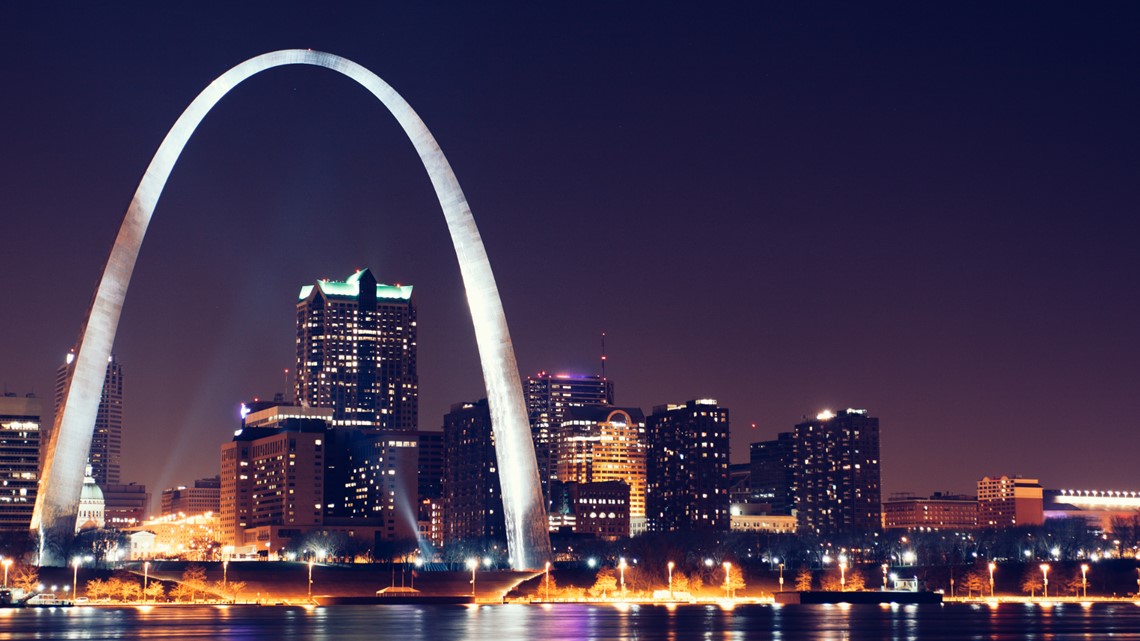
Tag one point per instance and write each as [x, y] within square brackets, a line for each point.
[954, 294]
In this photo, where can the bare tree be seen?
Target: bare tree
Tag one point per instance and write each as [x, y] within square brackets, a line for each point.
[803, 580]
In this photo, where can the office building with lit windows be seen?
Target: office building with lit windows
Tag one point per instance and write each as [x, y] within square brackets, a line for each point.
[19, 459]
[836, 470]
[599, 444]
[1005, 501]
[687, 467]
[548, 396]
[356, 352]
[941, 511]
[472, 493]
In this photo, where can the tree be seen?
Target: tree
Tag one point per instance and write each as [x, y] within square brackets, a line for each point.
[735, 580]
[1031, 581]
[129, 590]
[194, 577]
[830, 583]
[976, 580]
[1072, 582]
[96, 589]
[803, 580]
[236, 588]
[114, 587]
[855, 581]
[182, 592]
[604, 583]
[26, 578]
[155, 590]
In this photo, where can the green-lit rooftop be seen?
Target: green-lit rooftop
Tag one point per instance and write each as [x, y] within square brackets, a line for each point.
[350, 288]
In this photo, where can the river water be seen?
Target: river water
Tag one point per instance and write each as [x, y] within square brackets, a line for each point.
[579, 622]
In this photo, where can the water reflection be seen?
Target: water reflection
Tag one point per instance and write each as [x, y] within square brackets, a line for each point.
[579, 622]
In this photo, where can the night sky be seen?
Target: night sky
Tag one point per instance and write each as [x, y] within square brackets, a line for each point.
[928, 210]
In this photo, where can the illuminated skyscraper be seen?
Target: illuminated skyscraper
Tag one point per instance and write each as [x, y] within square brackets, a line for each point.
[603, 443]
[356, 352]
[837, 487]
[548, 396]
[106, 451]
[687, 468]
[19, 459]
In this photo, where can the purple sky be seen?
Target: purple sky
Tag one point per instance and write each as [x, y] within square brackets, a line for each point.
[928, 211]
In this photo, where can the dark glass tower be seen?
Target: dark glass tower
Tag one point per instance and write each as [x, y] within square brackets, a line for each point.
[837, 486]
[687, 467]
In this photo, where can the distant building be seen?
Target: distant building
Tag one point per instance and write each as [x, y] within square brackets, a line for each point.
[1103, 510]
[287, 473]
[754, 517]
[356, 352]
[837, 479]
[429, 514]
[1005, 501]
[204, 496]
[90, 515]
[272, 476]
[125, 505]
[597, 444]
[106, 451]
[739, 483]
[191, 538]
[602, 509]
[19, 460]
[773, 473]
[472, 494]
[941, 511]
[548, 396]
[687, 469]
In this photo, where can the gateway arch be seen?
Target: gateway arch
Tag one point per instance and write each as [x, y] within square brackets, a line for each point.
[56, 503]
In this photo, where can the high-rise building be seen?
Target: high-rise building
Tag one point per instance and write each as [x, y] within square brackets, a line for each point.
[356, 352]
[472, 494]
[429, 513]
[548, 396]
[1005, 501]
[272, 477]
[125, 505]
[106, 451]
[773, 473]
[204, 496]
[687, 471]
[378, 485]
[19, 459]
[837, 485]
[598, 444]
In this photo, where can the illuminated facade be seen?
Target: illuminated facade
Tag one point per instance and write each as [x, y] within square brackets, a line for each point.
[1104, 510]
[370, 480]
[204, 496]
[92, 506]
[272, 474]
[548, 396]
[687, 467]
[836, 469]
[19, 459]
[597, 444]
[602, 509]
[939, 512]
[1005, 501]
[106, 454]
[526, 531]
[356, 352]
